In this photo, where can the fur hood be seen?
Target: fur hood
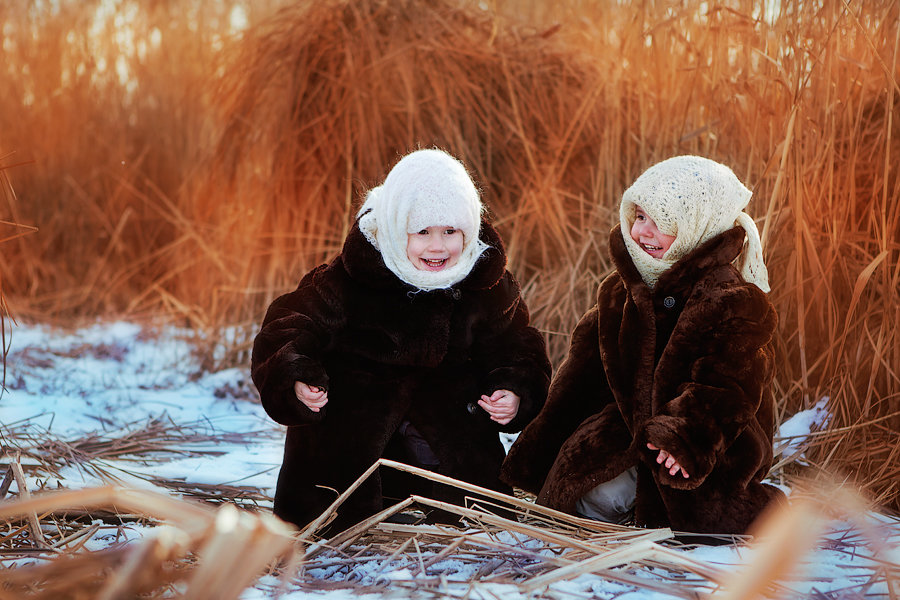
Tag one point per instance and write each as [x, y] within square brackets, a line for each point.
[687, 366]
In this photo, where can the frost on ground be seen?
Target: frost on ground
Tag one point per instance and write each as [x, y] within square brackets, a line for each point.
[115, 403]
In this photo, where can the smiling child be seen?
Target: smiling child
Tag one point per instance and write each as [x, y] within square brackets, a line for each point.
[412, 344]
[662, 413]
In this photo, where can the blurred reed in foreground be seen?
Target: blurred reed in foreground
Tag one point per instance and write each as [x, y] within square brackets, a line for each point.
[197, 551]
[229, 162]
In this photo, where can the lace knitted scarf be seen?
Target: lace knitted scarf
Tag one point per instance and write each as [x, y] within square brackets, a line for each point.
[693, 199]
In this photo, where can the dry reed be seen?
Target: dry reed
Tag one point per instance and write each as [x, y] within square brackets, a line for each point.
[11, 231]
[197, 551]
[245, 157]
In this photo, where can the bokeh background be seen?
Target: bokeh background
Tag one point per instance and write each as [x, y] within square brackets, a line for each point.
[189, 160]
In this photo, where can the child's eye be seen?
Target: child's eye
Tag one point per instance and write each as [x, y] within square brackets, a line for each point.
[450, 231]
[423, 232]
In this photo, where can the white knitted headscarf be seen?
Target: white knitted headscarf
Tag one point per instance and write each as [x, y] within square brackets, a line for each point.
[426, 188]
[694, 199]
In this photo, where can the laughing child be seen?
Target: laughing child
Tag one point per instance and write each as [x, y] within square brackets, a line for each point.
[412, 344]
[662, 412]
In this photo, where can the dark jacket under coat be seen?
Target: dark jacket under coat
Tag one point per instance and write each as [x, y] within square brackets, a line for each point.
[386, 352]
[686, 365]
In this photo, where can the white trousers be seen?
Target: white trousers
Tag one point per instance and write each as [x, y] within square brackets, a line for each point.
[612, 501]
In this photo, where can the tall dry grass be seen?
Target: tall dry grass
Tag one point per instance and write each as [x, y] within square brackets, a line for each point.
[246, 157]
[102, 110]
[9, 231]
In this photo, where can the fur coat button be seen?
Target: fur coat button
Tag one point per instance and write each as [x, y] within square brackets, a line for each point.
[471, 407]
[668, 301]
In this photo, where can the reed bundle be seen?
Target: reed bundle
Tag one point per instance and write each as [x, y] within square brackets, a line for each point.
[229, 549]
[128, 454]
[197, 551]
[244, 163]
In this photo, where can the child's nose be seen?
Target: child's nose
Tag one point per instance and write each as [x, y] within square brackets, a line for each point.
[435, 244]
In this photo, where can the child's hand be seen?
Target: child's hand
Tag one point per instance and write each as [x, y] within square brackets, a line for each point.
[502, 405]
[313, 397]
[669, 460]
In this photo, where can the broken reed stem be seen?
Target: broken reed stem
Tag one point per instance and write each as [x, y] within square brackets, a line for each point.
[223, 573]
[537, 532]
[346, 537]
[232, 547]
[311, 529]
[163, 544]
[34, 524]
[528, 508]
[631, 553]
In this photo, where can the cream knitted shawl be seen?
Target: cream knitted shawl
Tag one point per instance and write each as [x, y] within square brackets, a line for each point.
[426, 188]
[694, 199]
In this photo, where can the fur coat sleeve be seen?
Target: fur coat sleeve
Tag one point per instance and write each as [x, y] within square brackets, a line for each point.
[719, 395]
[579, 390]
[512, 353]
[289, 347]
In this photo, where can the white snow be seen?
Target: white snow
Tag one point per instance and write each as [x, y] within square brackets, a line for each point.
[793, 433]
[112, 378]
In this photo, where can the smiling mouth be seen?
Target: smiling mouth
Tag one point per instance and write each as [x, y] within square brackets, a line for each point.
[434, 263]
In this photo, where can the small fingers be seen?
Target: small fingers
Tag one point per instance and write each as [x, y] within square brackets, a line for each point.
[499, 413]
[313, 397]
[315, 405]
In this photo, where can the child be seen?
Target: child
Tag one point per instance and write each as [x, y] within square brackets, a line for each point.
[412, 344]
[662, 411]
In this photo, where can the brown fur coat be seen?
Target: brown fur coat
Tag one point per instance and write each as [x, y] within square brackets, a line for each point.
[386, 353]
[687, 366]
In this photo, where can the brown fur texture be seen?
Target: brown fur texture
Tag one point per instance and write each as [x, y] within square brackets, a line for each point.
[691, 374]
[386, 352]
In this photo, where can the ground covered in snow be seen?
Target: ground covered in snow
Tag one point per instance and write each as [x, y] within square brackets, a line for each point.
[120, 403]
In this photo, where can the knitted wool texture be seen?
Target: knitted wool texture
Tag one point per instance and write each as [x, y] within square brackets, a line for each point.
[426, 188]
[694, 199]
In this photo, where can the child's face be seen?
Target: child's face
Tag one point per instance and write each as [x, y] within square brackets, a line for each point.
[644, 232]
[435, 248]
